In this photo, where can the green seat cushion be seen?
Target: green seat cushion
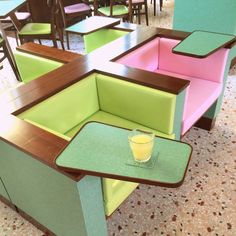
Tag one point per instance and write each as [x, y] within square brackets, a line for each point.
[110, 119]
[1, 40]
[101, 37]
[32, 67]
[117, 10]
[150, 107]
[35, 29]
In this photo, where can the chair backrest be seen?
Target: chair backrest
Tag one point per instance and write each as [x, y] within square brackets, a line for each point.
[45, 11]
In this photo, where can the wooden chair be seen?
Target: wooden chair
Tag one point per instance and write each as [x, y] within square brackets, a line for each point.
[73, 13]
[137, 6]
[22, 17]
[116, 8]
[39, 30]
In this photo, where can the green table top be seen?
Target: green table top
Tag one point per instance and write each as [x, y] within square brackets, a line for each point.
[92, 24]
[9, 6]
[202, 43]
[103, 150]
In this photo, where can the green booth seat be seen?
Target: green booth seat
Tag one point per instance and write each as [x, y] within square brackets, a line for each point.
[31, 67]
[112, 101]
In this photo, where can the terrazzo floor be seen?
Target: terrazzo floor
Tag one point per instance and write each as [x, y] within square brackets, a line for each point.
[204, 205]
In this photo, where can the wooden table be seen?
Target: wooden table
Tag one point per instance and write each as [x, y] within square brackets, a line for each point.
[8, 8]
[103, 150]
[92, 24]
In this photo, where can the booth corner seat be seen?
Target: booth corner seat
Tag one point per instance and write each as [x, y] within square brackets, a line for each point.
[31, 67]
[101, 37]
[112, 101]
[205, 74]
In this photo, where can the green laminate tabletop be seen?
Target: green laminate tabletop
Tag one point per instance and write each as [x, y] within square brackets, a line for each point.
[9, 6]
[92, 24]
[202, 43]
[103, 150]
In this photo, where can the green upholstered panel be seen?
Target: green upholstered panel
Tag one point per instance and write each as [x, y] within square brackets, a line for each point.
[49, 130]
[51, 198]
[67, 108]
[1, 40]
[35, 29]
[149, 107]
[101, 37]
[32, 67]
[210, 15]
[3, 191]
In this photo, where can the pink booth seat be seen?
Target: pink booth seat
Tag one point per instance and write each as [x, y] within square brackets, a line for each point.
[205, 75]
[200, 95]
[145, 57]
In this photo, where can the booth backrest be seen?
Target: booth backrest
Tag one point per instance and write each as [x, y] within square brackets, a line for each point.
[209, 68]
[146, 106]
[149, 107]
[145, 57]
[67, 108]
[32, 67]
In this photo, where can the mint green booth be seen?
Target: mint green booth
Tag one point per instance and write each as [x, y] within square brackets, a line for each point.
[112, 101]
[209, 15]
[63, 205]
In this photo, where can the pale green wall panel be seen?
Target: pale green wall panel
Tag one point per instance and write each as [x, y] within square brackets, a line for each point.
[209, 15]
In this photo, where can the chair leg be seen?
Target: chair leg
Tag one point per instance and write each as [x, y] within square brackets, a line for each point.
[11, 62]
[16, 36]
[139, 14]
[54, 42]
[67, 41]
[146, 12]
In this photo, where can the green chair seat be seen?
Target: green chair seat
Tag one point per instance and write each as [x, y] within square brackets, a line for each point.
[35, 29]
[1, 40]
[117, 10]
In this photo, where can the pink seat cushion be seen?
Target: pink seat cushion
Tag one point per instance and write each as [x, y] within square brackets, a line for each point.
[210, 68]
[200, 95]
[138, 1]
[145, 57]
[79, 7]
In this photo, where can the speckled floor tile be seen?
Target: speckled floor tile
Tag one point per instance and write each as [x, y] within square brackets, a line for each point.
[204, 205]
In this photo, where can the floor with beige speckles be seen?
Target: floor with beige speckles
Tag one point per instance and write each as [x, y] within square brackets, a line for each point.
[204, 205]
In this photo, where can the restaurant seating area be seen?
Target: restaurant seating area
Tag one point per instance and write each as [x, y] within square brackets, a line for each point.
[126, 76]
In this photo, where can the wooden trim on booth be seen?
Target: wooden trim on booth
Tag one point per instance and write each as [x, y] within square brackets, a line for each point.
[48, 52]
